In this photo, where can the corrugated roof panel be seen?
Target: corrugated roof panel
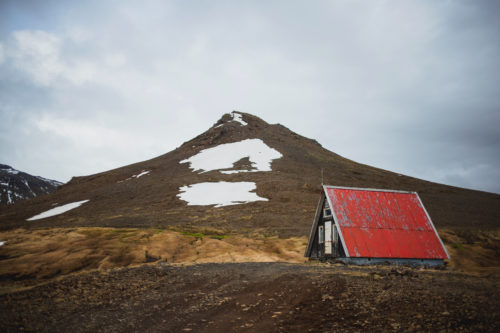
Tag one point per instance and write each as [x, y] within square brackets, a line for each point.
[384, 224]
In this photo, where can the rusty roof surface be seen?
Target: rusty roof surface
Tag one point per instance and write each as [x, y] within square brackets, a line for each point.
[384, 224]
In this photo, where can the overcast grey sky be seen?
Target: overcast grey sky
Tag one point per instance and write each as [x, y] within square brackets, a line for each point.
[408, 86]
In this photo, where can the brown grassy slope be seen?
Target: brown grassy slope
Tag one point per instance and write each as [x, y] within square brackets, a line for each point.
[33, 256]
[293, 188]
[30, 257]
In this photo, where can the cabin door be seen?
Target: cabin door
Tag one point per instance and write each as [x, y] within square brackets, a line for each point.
[335, 241]
[328, 237]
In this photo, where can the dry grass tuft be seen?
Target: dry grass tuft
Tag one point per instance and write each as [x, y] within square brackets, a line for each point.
[473, 251]
[47, 253]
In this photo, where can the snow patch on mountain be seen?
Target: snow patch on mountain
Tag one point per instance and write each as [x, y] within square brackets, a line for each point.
[2, 243]
[238, 118]
[219, 194]
[228, 172]
[142, 173]
[225, 155]
[25, 182]
[57, 210]
[50, 181]
[11, 171]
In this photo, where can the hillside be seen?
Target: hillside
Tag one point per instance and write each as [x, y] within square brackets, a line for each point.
[148, 193]
[210, 237]
[16, 185]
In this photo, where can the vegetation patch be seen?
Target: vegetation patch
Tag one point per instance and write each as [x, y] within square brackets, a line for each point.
[194, 234]
[34, 255]
[219, 237]
[31, 256]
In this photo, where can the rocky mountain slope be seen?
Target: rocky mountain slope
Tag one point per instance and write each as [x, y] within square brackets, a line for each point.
[16, 185]
[241, 175]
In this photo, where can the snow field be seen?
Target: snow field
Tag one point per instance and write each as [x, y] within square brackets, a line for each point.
[223, 156]
[219, 194]
[57, 210]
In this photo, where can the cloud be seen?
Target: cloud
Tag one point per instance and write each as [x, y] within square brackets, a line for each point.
[115, 60]
[87, 134]
[38, 54]
[2, 54]
[409, 87]
[87, 145]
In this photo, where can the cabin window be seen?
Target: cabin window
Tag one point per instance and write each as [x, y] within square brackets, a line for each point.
[327, 212]
[321, 235]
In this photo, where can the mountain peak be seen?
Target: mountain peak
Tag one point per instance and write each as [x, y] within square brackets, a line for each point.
[238, 126]
[5, 166]
[240, 175]
[241, 120]
[231, 127]
[234, 116]
[16, 185]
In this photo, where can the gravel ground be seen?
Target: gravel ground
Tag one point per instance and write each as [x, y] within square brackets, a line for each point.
[256, 297]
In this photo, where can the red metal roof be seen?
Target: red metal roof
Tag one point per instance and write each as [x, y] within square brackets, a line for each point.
[384, 224]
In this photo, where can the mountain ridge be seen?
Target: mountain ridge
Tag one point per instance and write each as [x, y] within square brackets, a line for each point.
[17, 185]
[292, 188]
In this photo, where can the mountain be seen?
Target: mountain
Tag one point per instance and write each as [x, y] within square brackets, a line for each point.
[241, 175]
[16, 185]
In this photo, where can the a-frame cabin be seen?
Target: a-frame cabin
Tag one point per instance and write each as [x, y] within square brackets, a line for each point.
[365, 226]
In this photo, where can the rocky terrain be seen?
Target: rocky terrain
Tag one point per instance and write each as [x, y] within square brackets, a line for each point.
[256, 297]
[16, 185]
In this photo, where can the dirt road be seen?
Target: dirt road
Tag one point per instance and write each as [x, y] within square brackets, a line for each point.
[256, 297]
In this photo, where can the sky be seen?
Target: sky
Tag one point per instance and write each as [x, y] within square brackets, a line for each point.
[408, 86]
